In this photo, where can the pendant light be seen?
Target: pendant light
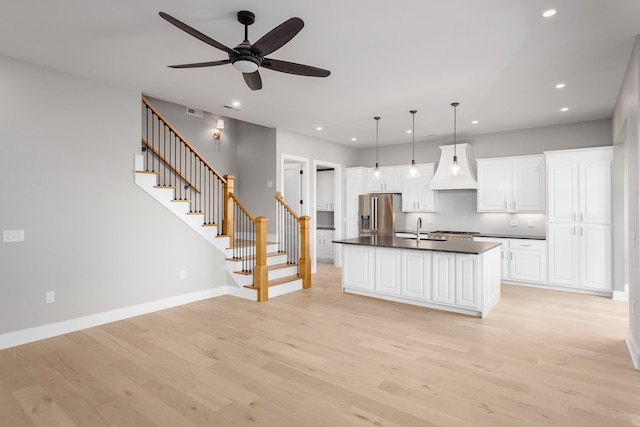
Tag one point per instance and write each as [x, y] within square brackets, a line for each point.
[377, 174]
[413, 171]
[454, 168]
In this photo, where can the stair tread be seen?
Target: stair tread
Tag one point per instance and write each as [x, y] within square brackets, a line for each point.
[248, 243]
[149, 172]
[168, 187]
[279, 281]
[269, 254]
[269, 267]
[180, 200]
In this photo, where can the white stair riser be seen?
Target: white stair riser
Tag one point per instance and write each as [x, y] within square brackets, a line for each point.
[285, 288]
[283, 272]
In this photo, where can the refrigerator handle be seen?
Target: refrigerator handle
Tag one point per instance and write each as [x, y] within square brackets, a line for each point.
[374, 213]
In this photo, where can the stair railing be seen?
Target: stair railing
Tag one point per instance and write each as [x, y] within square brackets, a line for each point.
[293, 239]
[181, 167]
[249, 246]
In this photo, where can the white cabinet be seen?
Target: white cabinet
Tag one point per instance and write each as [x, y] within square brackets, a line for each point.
[358, 267]
[391, 181]
[579, 218]
[522, 260]
[388, 271]
[527, 260]
[416, 274]
[443, 278]
[325, 190]
[416, 196]
[580, 255]
[579, 190]
[511, 184]
[467, 291]
[324, 245]
[354, 187]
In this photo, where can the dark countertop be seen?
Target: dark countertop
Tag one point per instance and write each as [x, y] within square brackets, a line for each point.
[495, 236]
[457, 246]
[325, 227]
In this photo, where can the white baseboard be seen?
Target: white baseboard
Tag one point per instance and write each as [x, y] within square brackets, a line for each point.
[620, 296]
[634, 349]
[25, 336]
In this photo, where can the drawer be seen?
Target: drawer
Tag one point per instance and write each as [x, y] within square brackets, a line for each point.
[534, 245]
[505, 242]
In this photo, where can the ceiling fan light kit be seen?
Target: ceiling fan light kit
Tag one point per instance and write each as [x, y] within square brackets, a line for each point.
[248, 58]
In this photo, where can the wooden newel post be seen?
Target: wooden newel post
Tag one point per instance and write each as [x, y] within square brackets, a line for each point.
[227, 215]
[305, 252]
[261, 271]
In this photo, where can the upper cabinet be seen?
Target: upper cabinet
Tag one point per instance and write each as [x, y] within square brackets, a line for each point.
[512, 184]
[391, 181]
[324, 190]
[580, 186]
[416, 196]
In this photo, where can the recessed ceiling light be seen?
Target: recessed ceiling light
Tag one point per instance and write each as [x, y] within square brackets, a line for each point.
[475, 122]
[354, 139]
[409, 131]
[319, 128]
[563, 109]
[560, 85]
[236, 103]
[549, 13]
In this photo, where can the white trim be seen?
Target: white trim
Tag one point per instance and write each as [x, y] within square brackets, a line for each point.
[36, 333]
[337, 210]
[620, 296]
[634, 349]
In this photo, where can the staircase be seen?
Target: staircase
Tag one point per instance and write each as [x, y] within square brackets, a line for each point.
[174, 174]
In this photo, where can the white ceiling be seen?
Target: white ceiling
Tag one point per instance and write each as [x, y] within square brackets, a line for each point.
[499, 58]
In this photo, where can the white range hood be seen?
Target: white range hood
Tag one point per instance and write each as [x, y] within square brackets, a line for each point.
[463, 181]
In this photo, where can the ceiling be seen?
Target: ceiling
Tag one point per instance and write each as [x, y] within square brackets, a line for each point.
[499, 58]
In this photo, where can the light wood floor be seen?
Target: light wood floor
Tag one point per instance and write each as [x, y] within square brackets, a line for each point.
[323, 358]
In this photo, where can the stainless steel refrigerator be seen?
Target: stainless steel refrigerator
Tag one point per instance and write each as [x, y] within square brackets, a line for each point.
[378, 213]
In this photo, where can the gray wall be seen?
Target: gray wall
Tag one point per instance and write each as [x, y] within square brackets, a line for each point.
[198, 131]
[92, 236]
[625, 125]
[256, 148]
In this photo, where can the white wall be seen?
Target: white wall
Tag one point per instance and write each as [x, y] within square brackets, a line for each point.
[92, 236]
[625, 131]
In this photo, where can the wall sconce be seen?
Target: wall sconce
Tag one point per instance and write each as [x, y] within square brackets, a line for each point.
[217, 131]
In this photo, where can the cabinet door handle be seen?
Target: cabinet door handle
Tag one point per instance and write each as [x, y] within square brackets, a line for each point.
[573, 216]
[581, 231]
[581, 217]
[511, 257]
[525, 246]
[514, 205]
[574, 230]
[505, 205]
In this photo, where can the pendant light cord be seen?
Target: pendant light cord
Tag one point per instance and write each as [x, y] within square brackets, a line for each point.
[377, 118]
[454, 105]
[413, 134]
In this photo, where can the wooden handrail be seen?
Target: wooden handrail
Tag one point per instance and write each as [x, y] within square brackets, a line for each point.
[284, 204]
[246, 212]
[184, 178]
[184, 141]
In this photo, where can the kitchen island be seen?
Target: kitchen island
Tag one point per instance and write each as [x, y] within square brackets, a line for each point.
[451, 275]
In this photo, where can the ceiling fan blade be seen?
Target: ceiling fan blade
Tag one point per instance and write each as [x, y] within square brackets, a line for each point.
[277, 37]
[195, 33]
[293, 68]
[253, 80]
[202, 64]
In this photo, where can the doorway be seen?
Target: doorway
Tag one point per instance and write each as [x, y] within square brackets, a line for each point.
[328, 214]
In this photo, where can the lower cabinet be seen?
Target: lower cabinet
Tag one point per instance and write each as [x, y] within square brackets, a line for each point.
[523, 260]
[324, 245]
[458, 282]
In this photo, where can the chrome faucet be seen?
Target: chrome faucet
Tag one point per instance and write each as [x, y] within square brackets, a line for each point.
[418, 225]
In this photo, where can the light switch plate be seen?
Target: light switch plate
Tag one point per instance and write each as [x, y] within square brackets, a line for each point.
[513, 223]
[12, 236]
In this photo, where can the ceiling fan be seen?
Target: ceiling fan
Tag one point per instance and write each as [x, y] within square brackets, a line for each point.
[247, 57]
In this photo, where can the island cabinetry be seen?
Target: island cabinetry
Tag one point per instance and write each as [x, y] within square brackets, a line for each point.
[463, 283]
[388, 271]
[443, 278]
[416, 274]
[358, 267]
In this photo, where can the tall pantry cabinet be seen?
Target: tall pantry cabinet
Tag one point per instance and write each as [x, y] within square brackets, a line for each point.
[579, 218]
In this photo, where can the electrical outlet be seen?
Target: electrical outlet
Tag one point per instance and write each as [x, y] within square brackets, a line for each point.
[183, 274]
[428, 220]
[530, 223]
[269, 184]
[513, 223]
[50, 297]
[12, 236]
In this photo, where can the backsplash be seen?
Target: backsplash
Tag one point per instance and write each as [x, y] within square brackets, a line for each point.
[457, 211]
